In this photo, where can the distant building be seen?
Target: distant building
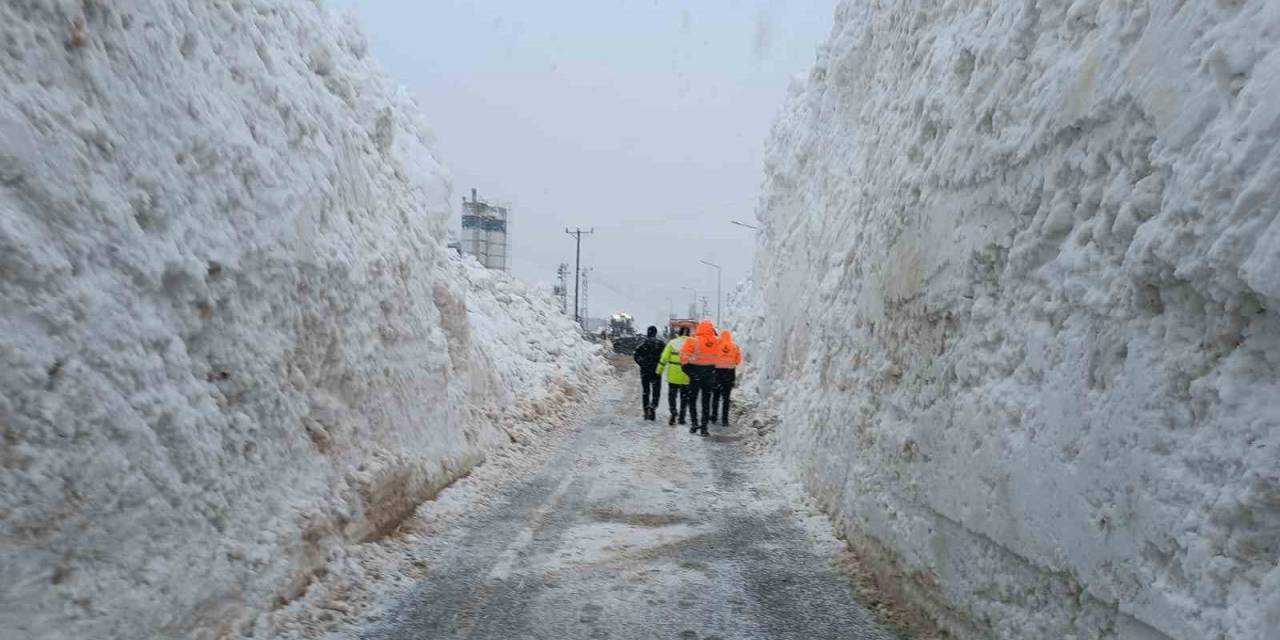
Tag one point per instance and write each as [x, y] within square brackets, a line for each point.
[484, 232]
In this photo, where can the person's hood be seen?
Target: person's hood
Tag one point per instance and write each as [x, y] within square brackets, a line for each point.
[705, 328]
[706, 333]
[726, 336]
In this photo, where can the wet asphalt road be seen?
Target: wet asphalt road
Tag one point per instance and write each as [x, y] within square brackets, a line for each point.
[637, 530]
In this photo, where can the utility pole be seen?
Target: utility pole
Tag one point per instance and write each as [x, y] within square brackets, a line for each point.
[562, 289]
[718, 274]
[706, 311]
[577, 269]
[586, 291]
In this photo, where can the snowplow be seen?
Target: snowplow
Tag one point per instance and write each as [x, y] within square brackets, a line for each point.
[621, 324]
[622, 333]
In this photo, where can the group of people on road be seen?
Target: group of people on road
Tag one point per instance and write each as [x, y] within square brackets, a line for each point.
[700, 368]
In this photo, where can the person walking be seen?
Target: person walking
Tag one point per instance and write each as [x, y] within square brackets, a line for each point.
[698, 359]
[677, 380]
[647, 356]
[728, 357]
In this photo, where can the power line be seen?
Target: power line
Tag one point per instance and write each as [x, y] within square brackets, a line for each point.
[630, 294]
[619, 291]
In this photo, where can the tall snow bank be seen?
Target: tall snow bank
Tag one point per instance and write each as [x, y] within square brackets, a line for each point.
[1020, 296]
[745, 315]
[231, 339]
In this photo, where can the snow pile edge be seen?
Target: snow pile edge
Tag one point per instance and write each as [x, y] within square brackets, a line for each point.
[1019, 303]
[231, 339]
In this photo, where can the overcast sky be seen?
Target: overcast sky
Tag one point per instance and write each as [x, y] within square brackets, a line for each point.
[643, 119]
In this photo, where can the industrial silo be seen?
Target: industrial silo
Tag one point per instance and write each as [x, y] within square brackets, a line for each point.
[484, 232]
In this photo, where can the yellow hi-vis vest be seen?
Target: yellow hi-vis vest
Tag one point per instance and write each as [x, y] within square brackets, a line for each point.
[670, 362]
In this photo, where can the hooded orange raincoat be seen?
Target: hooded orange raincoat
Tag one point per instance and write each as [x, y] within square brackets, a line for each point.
[728, 356]
[701, 349]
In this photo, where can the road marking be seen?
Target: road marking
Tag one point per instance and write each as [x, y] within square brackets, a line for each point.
[506, 560]
[464, 621]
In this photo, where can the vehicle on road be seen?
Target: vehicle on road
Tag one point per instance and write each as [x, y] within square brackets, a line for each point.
[622, 333]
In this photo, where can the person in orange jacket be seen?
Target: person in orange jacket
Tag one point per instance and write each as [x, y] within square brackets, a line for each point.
[728, 357]
[698, 359]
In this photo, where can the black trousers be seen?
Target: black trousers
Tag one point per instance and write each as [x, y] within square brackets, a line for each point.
[725, 379]
[650, 382]
[701, 385]
[680, 393]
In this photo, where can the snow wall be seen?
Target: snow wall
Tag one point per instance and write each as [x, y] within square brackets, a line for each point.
[1020, 295]
[231, 338]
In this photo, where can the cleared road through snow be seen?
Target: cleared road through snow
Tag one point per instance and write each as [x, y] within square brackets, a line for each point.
[635, 529]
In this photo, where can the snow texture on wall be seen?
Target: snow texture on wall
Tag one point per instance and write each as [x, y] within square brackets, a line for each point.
[231, 338]
[1022, 311]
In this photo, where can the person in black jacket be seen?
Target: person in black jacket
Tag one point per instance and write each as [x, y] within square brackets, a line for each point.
[647, 356]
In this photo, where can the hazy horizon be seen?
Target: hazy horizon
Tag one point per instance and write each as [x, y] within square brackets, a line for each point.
[643, 121]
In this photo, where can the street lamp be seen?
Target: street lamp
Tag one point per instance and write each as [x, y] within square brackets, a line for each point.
[695, 298]
[743, 224]
[719, 271]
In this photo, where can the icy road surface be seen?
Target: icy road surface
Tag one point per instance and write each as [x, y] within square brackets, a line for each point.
[635, 529]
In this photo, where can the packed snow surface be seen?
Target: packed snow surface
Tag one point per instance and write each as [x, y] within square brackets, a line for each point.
[1018, 309]
[231, 339]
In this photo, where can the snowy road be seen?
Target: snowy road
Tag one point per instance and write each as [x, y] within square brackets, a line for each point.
[636, 530]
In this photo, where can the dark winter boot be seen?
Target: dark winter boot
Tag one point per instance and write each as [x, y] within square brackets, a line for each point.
[672, 421]
[693, 429]
[703, 432]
